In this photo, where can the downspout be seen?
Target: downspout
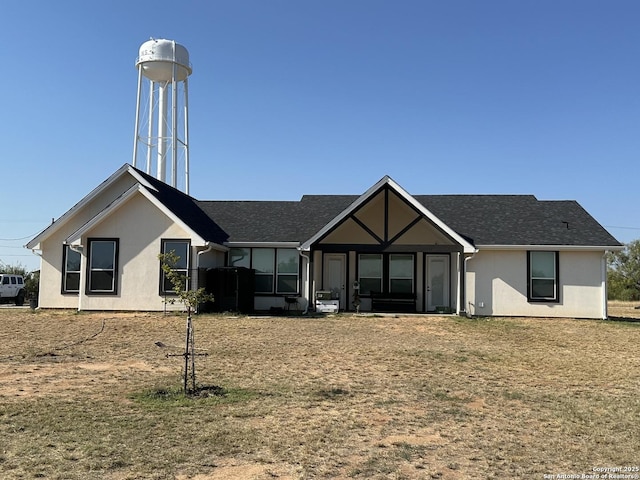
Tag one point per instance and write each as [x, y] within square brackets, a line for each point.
[35, 252]
[466, 301]
[206, 250]
[605, 312]
[83, 272]
[308, 269]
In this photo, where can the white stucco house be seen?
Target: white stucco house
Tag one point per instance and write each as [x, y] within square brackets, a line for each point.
[501, 255]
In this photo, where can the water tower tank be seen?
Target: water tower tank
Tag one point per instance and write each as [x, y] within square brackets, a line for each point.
[157, 57]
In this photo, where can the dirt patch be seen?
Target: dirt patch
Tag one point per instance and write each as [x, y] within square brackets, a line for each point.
[316, 398]
[230, 470]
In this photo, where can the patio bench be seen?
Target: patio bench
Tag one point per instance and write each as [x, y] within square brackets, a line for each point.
[393, 302]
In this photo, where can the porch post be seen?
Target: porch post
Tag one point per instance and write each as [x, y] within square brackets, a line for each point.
[459, 282]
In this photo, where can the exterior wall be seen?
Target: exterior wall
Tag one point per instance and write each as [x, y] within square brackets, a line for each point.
[496, 283]
[139, 226]
[50, 295]
[52, 250]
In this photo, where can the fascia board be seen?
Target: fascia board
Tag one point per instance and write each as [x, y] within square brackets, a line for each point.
[197, 240]
[467, 247]
[262, 244]
[306, 246]
[52, 228]
[579, 248]
[216, 246]
[134, 173]
[74, 238]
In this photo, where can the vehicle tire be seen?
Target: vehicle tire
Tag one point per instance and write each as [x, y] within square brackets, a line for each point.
[20, 299]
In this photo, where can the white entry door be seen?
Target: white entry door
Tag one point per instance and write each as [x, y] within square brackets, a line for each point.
[438, 284]
[334, 276]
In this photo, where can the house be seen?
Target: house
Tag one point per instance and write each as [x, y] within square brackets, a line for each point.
[384, 250]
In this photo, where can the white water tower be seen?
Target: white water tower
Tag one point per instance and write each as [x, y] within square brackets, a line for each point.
[162, 110]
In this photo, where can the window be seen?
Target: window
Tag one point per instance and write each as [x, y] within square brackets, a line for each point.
[103, 267]
[401, 273]
[263, 263]
[287, 271]
[14, 281]
[276, 269]
[5, 280]
[180, 248]
[542, 270]
[370, 270]
[70, 270]
[240, 257]
[386, 273]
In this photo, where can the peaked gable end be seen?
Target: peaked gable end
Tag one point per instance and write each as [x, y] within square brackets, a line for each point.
[384, 216]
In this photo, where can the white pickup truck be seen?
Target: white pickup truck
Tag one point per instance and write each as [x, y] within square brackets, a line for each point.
[12, 288]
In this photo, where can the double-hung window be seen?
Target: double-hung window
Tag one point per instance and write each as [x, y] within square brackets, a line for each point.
[542, 273]
[263, 262]
[287, 271]
[401, 273]
[370, 273]
[103, 266]
[240, 257]
[179, 248]
[71, 270]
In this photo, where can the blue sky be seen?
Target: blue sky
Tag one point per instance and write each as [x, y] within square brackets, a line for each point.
[289, 97]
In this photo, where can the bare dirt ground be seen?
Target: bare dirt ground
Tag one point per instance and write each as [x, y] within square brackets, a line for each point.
[85, 396]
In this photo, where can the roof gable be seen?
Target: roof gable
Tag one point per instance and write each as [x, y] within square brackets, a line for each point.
[182, 208]
[86, 200]
[360, 202]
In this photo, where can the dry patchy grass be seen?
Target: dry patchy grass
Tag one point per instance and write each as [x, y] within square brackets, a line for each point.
[90, 396]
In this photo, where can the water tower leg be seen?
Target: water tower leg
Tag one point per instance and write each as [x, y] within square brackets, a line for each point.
[136, 137]
[186, 136]
[150, 145]
[174, 129]
[162, 132]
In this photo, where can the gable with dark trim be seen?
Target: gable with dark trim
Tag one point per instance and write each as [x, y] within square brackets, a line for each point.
[386, 221]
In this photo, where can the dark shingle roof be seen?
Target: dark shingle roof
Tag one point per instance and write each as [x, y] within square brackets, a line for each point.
[517, 220]
[483, 219]
[187, 209]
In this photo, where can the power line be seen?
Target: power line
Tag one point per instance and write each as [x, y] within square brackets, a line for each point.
[625, 228]
[16, 239]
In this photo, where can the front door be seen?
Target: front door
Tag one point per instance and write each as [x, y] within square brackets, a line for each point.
[437, 284]
[334, 277]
